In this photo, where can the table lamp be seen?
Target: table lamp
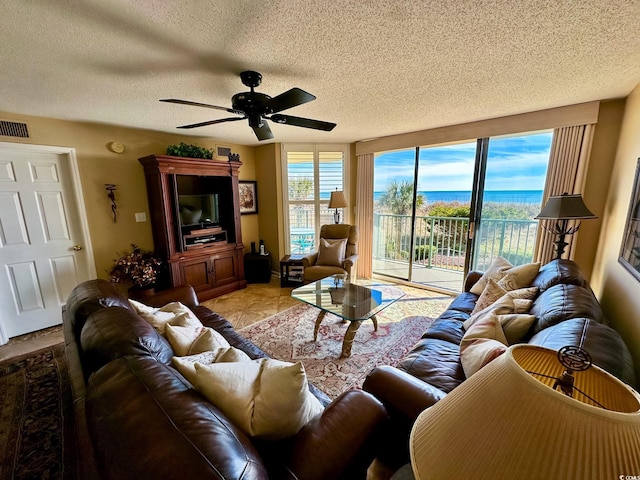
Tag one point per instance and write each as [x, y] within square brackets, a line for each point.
[564, 207]
[508, 421]
[337, 201]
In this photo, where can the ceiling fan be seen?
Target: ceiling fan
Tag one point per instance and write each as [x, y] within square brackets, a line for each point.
[258, 108]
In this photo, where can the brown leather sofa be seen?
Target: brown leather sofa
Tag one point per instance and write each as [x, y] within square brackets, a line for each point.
[138, 418]
[567, 313]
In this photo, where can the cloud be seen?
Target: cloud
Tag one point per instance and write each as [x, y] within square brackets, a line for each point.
[513, 163]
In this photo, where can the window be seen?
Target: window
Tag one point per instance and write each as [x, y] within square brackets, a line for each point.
[311, 173]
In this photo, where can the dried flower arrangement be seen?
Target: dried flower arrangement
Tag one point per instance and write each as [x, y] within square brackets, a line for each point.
[137, 266]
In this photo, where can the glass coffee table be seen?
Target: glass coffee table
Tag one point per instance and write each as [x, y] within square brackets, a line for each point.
[352, 302]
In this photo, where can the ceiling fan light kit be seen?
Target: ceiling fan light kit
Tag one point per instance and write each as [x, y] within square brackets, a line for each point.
[257, 108]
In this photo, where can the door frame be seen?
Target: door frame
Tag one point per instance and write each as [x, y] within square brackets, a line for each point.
[68, 155]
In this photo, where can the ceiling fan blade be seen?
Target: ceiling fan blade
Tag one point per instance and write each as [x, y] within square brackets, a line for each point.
[263, 132]
[303, 122]
[212, 122]
[290, 98]
[196, 104]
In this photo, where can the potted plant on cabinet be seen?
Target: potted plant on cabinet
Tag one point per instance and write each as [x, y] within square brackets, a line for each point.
[138, 268]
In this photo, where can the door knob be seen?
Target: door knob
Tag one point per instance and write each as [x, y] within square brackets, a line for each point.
[77, 248]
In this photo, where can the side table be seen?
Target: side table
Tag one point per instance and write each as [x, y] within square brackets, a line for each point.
[257, 268]
[291, 271]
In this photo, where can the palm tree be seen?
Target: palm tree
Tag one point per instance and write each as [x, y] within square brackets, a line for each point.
[398, 200]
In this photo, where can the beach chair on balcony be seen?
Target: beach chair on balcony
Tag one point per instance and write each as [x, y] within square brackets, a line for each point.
[337, 252]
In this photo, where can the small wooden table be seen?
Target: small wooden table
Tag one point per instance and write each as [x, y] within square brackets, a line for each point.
[352, 302]
[291, 271]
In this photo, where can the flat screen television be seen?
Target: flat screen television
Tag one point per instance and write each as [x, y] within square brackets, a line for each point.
[201, 210]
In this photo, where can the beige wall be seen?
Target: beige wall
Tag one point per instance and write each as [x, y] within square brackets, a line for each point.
[271, 223]
[618, 291]
[97, 165]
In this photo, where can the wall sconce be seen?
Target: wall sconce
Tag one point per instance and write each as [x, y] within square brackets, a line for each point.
[111, 188]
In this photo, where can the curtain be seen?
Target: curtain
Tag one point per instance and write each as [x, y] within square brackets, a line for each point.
[568, 162]
[364, 215]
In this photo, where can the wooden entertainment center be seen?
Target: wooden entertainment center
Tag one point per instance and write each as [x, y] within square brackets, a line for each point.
[195, 218]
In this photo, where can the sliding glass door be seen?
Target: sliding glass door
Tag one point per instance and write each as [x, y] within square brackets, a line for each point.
[420, 234]
[428, 199]
[514, 178]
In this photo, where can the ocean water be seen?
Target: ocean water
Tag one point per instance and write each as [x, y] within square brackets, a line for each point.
[520, 197]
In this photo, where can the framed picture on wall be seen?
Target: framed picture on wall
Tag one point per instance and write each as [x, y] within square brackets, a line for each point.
[248, 192]
[630, 249]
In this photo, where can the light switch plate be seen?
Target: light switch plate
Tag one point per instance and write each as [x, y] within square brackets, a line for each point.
[141, 217]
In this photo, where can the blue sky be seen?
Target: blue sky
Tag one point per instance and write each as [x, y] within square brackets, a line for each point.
[514, 163]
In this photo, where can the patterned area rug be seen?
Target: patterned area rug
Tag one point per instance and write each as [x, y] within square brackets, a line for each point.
[288, 336]
[36, 417]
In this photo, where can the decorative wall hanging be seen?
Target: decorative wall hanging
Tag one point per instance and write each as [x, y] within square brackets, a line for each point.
[630, 248]
[111, 188]
[248, 192]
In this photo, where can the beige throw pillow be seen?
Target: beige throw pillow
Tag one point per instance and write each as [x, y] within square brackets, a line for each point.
[522, 305]
[187, 365]
[266, 398]
[520, 276]
[331, 252]
[483, 342]
[507, 276]
[495, 272]
[174, 313]
[528, 293]
[190, 341]
[504, 305]
[516, 326]
[490, 294]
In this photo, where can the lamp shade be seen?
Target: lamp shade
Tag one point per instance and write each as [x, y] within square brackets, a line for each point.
[504, 423]
[337, 200]
[565, 207]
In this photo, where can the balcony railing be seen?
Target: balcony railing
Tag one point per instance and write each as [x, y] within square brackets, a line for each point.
[441, 242]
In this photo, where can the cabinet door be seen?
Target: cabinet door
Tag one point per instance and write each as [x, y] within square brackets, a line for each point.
[225, 268]
[197, 273]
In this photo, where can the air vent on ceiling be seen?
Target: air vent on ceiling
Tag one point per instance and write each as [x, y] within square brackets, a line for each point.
[13, 129]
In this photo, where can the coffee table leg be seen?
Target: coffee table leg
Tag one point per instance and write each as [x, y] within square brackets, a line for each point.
[375, 323]
[318, 322]
[347, 343]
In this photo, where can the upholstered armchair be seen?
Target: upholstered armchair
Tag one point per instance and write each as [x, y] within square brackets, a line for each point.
[337, 252]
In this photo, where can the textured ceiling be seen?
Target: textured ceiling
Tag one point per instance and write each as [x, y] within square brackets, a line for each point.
[377, 67]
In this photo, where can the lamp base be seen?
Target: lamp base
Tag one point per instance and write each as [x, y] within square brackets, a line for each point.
[336, 216]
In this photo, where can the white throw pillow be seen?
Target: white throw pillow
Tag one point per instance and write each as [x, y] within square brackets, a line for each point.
[174, 313]
[266, 398]
[190, 341]
[483, 342]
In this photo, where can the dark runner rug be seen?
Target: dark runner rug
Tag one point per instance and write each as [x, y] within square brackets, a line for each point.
[37, 439]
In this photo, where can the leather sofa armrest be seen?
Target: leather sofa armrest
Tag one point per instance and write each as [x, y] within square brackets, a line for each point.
[310, 260]
[472, 277]
[400, 392]
[342, 442]
[184, 294]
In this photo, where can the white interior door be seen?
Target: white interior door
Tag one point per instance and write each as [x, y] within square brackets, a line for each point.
[44, 243]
